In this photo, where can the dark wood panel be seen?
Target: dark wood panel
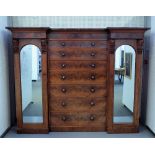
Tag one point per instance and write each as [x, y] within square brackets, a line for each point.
[91, 65]
[30, 35]
[86, 34]
[101, 127]
[77, 104]
[77, 54]
[78, 43]
[92, 90]
[77, 77]
[84, 119]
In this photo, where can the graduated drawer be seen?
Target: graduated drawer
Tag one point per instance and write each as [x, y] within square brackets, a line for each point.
[77, 54]
[77, 77]
[84, 90]
[77, 43]
[78, 65]
[77, 104]
[81, 119]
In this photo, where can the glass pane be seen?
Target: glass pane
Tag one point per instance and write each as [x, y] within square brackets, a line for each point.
[124, 81]
[31, 84]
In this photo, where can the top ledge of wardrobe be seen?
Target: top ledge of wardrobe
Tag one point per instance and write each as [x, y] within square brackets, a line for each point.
[110, 29]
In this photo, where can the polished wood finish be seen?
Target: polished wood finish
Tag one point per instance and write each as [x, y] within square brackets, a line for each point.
[77, 54]
[63, 104]
[78, 77]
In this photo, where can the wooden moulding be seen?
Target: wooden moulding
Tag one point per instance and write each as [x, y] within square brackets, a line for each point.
[112, 127]
[21, 38]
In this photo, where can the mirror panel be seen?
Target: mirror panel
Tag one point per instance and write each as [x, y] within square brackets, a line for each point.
[124, 82]
[31, 84]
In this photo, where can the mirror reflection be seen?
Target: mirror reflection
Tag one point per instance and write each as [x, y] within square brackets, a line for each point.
[124, 81]
[31, 84]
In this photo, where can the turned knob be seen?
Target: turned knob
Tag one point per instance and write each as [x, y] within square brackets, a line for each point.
[92, 103]
[93, 77]
[63, 90]
[63, 54]
[63, 65]
[63, 104]
[63, 77]
[63, 44]
[92, 54]
[63, 118]
[92, 90]
[92, 117]
[92, 44]
[93, 65]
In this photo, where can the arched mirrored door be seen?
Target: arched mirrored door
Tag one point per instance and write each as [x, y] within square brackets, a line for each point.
[124, 84]
[31, 84]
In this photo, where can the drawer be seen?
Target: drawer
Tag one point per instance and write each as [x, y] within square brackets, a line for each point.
[78, 34]
[82, 119]
[78, 54]
[77, 90]
[77, 43]
[77, 77]
[100, 66]
[77, 104]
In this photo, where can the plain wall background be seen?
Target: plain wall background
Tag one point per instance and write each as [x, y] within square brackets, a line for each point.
[78, 21]
[149, 104]
[128, 87]
[4, 75]
[26, 75]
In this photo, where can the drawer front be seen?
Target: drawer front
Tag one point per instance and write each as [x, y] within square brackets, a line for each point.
[77, 90]
[78, 119]
[77, 77]
[78, 43]
[100, 66]
[78, 34]
[78, 54]
[77, 104]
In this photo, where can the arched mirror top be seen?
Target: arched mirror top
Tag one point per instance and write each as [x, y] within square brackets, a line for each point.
[124, 46]
[131, 43]
[33, 46]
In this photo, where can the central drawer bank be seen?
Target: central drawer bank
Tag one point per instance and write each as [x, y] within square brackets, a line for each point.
[77, 80]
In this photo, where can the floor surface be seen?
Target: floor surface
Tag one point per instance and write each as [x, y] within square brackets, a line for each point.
[144, 133]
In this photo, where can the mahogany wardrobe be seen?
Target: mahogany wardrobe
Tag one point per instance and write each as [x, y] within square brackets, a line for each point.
[77, 79]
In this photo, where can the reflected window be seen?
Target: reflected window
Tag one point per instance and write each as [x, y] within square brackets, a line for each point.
[31, 84]
[124, 81]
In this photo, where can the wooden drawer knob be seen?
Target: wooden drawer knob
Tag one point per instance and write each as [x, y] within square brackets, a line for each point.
[92, 90]
[64, 90]
[63, 77]
[63, 65]
[63, 118]
[63, 54]
[92, 118]
[63, 44]
[63, 104]
[92, 44]
[93, 77]
[93, 65]
[92, 103]
[93, 54]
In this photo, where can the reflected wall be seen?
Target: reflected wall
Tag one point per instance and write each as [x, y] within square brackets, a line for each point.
[31, 84]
